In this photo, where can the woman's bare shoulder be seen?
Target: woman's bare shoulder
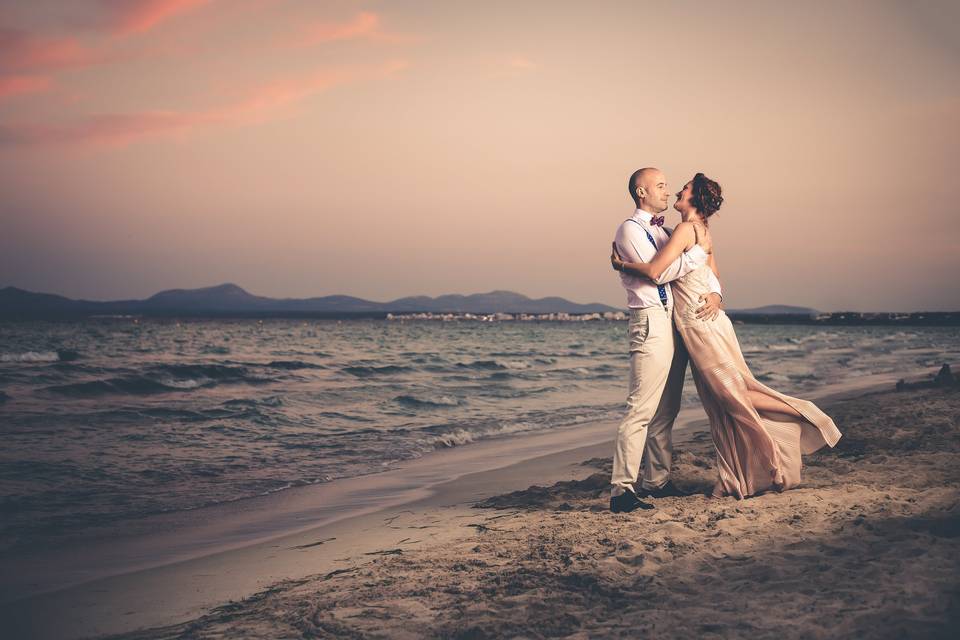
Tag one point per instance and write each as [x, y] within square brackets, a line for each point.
[703, 237]
[683, 230]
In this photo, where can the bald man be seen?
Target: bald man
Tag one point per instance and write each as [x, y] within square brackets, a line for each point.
[658, 359]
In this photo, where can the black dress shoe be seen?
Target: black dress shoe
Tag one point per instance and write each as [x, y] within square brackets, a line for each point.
[627, 502]
[668, 490]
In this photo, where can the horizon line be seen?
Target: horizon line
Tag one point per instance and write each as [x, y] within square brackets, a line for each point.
[492, 291]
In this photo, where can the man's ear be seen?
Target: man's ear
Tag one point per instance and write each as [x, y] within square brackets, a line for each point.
[641, 193]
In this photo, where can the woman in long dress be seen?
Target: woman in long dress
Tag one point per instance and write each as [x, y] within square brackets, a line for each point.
[759, 433]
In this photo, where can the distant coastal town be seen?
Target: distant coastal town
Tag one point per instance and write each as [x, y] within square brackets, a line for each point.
[506, 317]
[931, 318]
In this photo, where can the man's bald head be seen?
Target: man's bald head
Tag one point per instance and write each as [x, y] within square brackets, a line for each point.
[648, 188]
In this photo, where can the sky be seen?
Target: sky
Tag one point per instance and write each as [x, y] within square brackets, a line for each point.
[387, 149]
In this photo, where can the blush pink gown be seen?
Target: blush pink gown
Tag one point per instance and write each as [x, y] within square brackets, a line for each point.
[754, 453]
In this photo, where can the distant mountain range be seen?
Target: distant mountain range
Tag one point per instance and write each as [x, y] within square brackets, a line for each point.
[230, 299]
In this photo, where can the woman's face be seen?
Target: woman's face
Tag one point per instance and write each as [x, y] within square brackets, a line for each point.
[683, 198]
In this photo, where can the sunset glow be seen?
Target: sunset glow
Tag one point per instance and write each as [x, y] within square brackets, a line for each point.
[388, 149]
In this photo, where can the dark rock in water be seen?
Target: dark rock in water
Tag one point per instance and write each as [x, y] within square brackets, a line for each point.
[944, 377]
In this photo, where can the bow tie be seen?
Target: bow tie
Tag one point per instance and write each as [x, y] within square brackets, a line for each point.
[656, 221]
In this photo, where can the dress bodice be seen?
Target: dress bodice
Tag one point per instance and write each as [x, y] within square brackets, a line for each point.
[687, 293]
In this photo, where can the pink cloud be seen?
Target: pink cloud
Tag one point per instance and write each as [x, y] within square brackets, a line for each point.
[100, 129]
[265, 100]
[21, 51]
[257, 105]
[268, 99]
[138, 16]
[23, 54]
[365, 25]
[20, 85]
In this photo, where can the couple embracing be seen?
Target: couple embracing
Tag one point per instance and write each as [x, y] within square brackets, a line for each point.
[674, 296]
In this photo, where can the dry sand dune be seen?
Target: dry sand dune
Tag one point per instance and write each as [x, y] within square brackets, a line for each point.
[867, 547]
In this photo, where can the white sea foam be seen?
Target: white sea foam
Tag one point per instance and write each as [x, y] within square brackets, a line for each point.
[428, 400]
[459, 437]
[783, 347]
[30, 356]
[452, 439]
[182, 384]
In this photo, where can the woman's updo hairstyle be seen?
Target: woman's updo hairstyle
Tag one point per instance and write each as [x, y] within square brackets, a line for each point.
[706, 195]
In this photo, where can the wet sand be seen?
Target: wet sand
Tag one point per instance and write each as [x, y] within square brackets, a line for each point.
[866, 547]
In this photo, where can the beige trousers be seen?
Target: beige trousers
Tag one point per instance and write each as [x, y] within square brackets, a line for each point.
[658, 363]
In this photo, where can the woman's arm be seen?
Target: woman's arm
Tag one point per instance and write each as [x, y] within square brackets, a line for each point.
[682, 239]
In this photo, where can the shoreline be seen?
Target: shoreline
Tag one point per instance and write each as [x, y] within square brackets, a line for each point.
[180, 589]
[186, 535]
[176, 592]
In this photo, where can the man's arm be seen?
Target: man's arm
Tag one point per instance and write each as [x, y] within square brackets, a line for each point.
[684, 264]
[636, 237]
[632, 243]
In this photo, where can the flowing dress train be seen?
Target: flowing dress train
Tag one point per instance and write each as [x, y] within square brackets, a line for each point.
[754, 453]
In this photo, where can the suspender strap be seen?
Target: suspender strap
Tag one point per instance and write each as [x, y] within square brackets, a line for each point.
[662, 290]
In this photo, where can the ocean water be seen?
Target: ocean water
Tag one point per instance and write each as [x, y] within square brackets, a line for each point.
[112, 419]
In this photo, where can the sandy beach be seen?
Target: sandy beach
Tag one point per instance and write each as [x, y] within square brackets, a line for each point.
[866, 547]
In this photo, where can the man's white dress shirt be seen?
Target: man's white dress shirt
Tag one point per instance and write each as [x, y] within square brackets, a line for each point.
[634, 246]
